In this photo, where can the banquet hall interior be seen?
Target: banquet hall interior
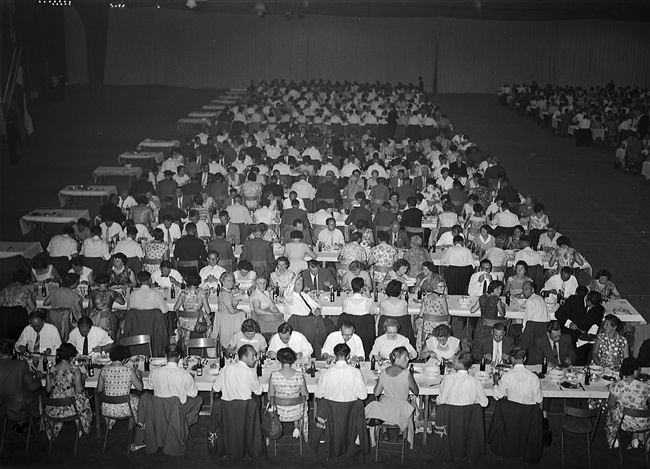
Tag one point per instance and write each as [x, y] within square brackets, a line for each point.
[85, 81]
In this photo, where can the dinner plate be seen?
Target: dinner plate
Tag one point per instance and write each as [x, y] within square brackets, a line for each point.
[609, 378]
[596, 369]
[555, 374]
[570, 384]
[482, 375]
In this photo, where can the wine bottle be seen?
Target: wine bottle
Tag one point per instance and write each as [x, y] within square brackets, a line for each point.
[172, 292]
[544, 366]
[332, 294]
[259, 368]
[373, 363]
[482, 365]
[222, 360]
[508, 298]
[199, 368]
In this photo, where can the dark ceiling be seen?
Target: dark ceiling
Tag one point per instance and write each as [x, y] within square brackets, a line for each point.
[527, 10]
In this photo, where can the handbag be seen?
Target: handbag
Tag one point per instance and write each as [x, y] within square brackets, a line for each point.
[271, 425]
[200, 327]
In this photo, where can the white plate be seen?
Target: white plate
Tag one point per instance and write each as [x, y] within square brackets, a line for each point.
[158, 361]
[597, 370]
[556, 374]
[213, 371]
[482, 375]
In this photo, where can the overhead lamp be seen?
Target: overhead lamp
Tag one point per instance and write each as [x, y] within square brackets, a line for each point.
[191, 4]
[260, 9]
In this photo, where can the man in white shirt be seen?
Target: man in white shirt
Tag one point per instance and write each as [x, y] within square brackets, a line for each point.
[548, 241]
[322, 215]
[167, 276]
[111, 230]
[170, 229]
[564, 282]
[331, 237]
[457, 255]
[527, 254]
[445, 182]
[348, 169]
[328, 166]
[129, 246]
[536, 309]
[211, 273]
[283, 168]
[88, 339]
[447, 238]
[346, 336]
[479, 281]
[298, 303]
[173, 381]
[375, 166]
[238, 380]
[202, 228]
[505, 218]
[287, 337]
[341, 382]
[519, 384]
[146, 298]
[238, 213]
[303, 189]
[313, 153]
[38, 336]
[95, 246]
[288, 202]
[460, 388]
[63, 245]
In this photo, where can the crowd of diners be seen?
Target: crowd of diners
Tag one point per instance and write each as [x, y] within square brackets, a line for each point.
[275, 174]
[612, 115]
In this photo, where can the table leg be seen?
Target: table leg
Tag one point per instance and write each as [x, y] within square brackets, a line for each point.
[425, 420]
[98, 424]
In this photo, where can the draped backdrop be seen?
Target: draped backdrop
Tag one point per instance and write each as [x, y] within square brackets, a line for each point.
[209, 50]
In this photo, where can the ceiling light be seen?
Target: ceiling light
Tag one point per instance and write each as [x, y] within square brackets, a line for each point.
[191, 4]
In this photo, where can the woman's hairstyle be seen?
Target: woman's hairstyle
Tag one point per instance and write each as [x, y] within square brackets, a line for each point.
[357, 284]
[193, 280]
[629, 366]
[355, 265]
[262, 227]
[119, 353]
[282, 259]
[564, 241]
[603, 273]
[69, 279]
[225, 275]
[355, 237]
[447, 206]
[250, 325]
[120, 256]
[66, 352]
[522, 263]
[486, 228]
[101, 279]
[494, 284]
[501, 241]
[399, 263]
[538, 208]
[394, 288]
[245, 265]
[429, 265]
[443, 330]
[478, 208]
[614, 321]
[158, 234]
[398, 352]
[383, 236]
[77, 261]
[286, 356]
[391, 322]
[295, 234]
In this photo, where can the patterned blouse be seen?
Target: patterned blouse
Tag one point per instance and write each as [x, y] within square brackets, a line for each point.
[16, 294]
[611, 351]
[383, 255]
[565, 256]
[119, 278]
[353, 252]
[605, 290]
[416, 256]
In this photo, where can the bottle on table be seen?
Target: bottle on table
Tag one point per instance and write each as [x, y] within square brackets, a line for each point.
[508, 298]
[89, 367]
[259, 367]
[419, 294]
[338, 291]
[545, 366]
[147, 363]
[406, 296]
[312, 369]
[376, 293]
[43, 290]
[172, 292]
[222, 359]
[482, 365]
[442, 367]
[587, 376]
[373, 363]
[199, 368]
[332, 294]
[46, 363]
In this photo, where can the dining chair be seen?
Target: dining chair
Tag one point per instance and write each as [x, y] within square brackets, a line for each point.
[51, 421]
[124, 399]
[637, 414]
[134, 340]
[291, 401]
[580, 421]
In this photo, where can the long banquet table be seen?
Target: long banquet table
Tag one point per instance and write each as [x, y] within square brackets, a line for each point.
[41, 216]
[101, 172]
[28, 250]
[69, 194]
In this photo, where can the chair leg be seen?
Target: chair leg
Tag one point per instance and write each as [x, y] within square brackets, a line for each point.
[589, 449]
[620, 447]
[4, 433]
[377, 431]
[300, 436]
[76, 437]
[106, 436]
[275, 448]
[562, 445]
[404, 439]
[29, 434]
[128, 446]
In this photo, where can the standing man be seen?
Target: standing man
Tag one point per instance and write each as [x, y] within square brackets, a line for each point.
[190, 248]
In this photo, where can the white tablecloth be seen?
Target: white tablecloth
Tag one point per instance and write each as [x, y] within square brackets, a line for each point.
[193, 121]
[645, 170]
[103, 171]
[140, 155]
[152, 143]
[47, 215]
[88, 191]
[214, 107]
[28, 250]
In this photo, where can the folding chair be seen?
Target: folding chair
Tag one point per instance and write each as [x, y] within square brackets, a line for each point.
[636, 413]
[137, 340]
[76, 417]
[124, 399]
[291, 401]
[579, 421]
[202, 344]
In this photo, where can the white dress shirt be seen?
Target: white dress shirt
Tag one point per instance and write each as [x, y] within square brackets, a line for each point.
[202, 230]
[170, 380]
[341, 383]
[320, 217]
[506, 219]
[335, 338]
[49, 338]
[129, 248]
[556, 283]
[330, 238]
[519, 385]
[113, 231]
[446, 239]
[165, 282]
[303, 189]
[97, 337]
[237, 381]
[359, 305]
[383, 346]
[287, 203]
[376, 167]
[95, 247]
[146, 298]
[458, 256]
[529, 256]
[299, 304]
[461, 389]
[216, 271]
[475, 287]
[297, 342]
[536, 310]
[173, 231]
[62, 245]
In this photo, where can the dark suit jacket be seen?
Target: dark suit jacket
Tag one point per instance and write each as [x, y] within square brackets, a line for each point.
[543, 349]
[293, 214]
[412, 217]
[199, 177]
[141, 186]
[258, 251]
[324, 275]
[186, 202]
[176, 214]
[228, 202]
[420, 183]
[574, 310]
[483, 345]
[328, 190]
[18, 383]
[190, 248]
[192, 188]
[402, 241]
[273, 188]
[405, 192]
[457, 170]
[359, 213]
[109, 209]
[223, 247]
[393, 183]
[385, 218]
[166, 187]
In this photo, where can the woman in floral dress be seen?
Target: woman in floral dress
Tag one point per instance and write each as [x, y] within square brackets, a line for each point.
[382, 257]
[66, 380]
[155, 252]
[565, 255]
[193, 299]
[611, 348]
[632, 393]
[416, 256]
[19, 292]
[120, 274]
[434, 311]
[116, 379]
[100, 306]
[352, 251]
[537, 224]
[282, 277]
[603, 284]
[490, 305]
[290, 383]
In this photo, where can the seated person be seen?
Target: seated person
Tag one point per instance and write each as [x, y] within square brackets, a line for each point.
[460, 388]
[331, 238]
[287, 337]
[386, 343]
[345, 335]
[211, 273]
[245, 275]
[250, 334]
[495, 348]
[316, 277]
[447, 238]
[519, 384]
[341, 382]
[556, 347]
[441, 345]
[603, 284]
[356, 270]
[564, 283]
[167, 276]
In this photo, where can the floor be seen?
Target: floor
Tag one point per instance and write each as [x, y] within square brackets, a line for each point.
[605, 212]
